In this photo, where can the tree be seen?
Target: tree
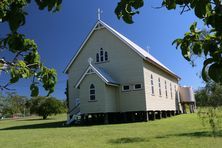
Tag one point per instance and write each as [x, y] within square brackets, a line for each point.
[209, 102]
[46, 106]
[12, 104]
[205, 43]
[26, 62]
[1, 103]
[210, 95]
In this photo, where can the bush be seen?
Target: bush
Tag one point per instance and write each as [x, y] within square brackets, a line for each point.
[46, 106]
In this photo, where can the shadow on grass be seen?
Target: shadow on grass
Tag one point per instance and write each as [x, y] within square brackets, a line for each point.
[59, 124]
[161, 137]
[35, 119]
[128, 140]
[194, 134]
[200, 134]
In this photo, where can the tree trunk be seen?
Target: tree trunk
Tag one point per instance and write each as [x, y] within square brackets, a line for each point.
[44, 117]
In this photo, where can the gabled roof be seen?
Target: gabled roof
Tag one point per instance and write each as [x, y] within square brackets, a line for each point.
[140, 51]
[101, 73]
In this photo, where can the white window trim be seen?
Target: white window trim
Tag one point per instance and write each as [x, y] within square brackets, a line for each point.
[102, 62]
[134, 86]
[171, 91]
[152, 85]
[126, 90]
[92, 94]
[159, 85]
[166, 91]
[102, 56]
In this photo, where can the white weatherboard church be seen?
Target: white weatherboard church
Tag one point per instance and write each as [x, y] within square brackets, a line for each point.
[111, 79]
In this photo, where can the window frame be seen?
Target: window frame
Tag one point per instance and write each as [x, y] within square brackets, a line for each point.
[92, 95]
[97, 57]
[175, 91]
[101, 55]
[106, 56]
[171, 91]
[152, 85]
[124, 86]
[134, 86]
[159, 84]
[166, 93]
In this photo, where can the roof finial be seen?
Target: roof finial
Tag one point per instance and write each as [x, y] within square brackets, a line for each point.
[99, 12]
[90, 60]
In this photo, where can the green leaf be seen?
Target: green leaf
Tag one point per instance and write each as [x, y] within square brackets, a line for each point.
[204, 74]
[197, 49]
[215, 72]
[14, 75]
[208, 61]
[193, 27]
[201, 8]
[204, 69]
[170, 4]
[137, 3]
[186, 54]
[177, 42]
[34, 90]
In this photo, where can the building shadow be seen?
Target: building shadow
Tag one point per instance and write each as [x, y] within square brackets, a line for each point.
[126, 140]
[193, 134]
[201, 134]
[35, 119]
[60, 124]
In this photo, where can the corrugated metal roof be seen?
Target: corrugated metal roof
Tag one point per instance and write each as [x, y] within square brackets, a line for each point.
[102, 73]
[105, 75]
[143, 53]
[136, 48]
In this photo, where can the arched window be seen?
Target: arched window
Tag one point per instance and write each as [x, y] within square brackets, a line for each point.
[97, 57]
[101, 55]
[152, 85]
[106, 56]
[92, 93]
[159, 87]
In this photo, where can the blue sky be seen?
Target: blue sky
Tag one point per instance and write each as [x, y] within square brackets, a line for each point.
[59, 35]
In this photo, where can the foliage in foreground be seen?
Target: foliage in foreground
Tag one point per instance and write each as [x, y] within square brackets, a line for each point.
[26, 62]
[213, 117]
[209, 102]
[205, 43]
[195, 43]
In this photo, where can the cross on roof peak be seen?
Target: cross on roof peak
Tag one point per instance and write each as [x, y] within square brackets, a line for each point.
[99, 12]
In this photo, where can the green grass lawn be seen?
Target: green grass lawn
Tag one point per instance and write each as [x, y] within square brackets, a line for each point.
[179, 131]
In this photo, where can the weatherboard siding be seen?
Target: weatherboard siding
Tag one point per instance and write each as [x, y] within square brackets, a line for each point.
[155, 101]
[106, 99]
[97, 106]
[111, 98]
[124, 65]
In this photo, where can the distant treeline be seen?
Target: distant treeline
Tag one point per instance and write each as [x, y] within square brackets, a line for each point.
[13, 105]
[210, 95]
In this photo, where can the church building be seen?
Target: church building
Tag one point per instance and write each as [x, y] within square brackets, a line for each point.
[111, 79]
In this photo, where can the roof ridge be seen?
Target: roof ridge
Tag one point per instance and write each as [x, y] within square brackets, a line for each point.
[139, 50]
[142, 52]
[101, 74]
